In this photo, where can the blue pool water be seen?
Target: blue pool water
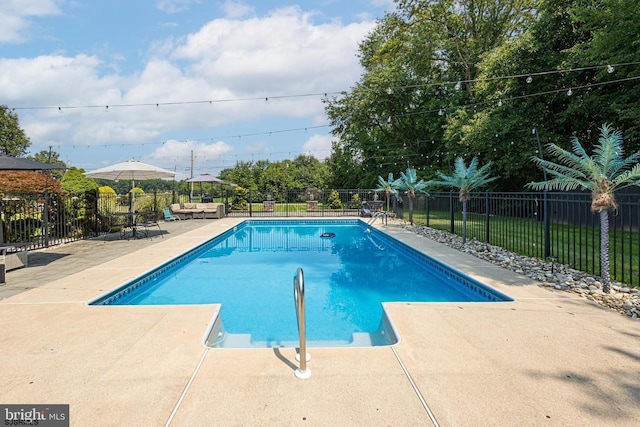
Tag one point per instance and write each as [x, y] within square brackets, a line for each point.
[249, 270]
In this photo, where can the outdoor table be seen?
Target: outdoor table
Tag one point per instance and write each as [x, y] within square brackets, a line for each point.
[131, 223]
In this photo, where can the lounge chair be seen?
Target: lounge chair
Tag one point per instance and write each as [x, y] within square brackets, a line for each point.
[168, 216]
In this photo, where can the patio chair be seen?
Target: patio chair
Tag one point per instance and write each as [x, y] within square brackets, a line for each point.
[168, 216]
[144, 227]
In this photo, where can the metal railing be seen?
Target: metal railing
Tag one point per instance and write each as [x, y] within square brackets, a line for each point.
[557, 226]
[298, 296]
[553, 225]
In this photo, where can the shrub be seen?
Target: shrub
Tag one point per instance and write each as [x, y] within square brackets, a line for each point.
[239, 201]
[334, 200]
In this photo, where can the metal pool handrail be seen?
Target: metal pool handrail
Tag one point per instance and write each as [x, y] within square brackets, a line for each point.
[298, 296]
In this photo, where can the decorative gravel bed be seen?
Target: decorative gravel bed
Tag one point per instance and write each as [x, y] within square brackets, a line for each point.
[623, 298]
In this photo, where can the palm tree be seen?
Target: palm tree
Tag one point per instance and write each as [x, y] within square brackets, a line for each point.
[389, 187]
[409, 182]
[602, 174]
[465, 179]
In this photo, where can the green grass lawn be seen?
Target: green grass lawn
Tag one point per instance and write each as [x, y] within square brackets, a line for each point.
[577, 246]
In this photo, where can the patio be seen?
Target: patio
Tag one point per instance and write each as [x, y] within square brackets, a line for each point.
[549, 358]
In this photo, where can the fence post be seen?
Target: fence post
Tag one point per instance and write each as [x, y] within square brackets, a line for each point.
[250, 203]
[96, 201]
[155, 204]
[451, 213]
[426, 203]
[45, 218]
[547, 225]
[487, 217]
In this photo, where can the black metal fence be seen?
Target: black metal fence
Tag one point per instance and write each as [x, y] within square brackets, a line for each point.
[31, 221]
[552, 226]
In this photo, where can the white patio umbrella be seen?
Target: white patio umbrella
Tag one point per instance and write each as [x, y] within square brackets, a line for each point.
[132, 170]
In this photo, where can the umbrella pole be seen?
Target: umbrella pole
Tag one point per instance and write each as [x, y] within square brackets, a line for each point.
[132, 208]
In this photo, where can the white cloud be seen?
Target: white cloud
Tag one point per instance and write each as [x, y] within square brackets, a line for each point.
[172, 151]
[175, 6]
[236, 10]
[318, 146]
[282, 53]
[16, 17]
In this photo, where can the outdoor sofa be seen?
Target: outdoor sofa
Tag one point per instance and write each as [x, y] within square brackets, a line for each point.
[197, 210]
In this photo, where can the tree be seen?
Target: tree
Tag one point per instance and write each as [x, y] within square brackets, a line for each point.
[409, 183]
[46, 156]
[465, 179]
[310, 172]
[75, 182]
[243, 174]
[389, 187]
[277, 178]
[27, 182]
[601, 174]
[399, 111]
[13, 140]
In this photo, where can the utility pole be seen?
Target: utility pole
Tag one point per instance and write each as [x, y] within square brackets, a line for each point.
[191, 183]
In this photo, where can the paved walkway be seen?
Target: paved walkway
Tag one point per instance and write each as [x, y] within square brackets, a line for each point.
[548, 359]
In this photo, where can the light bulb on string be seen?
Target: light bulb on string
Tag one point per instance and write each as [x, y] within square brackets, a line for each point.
[610, 69]
[529, 79]
[458, 85]
[500, 103]
[569, 92]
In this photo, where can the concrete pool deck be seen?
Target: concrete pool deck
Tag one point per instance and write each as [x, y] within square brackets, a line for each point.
[550, 358]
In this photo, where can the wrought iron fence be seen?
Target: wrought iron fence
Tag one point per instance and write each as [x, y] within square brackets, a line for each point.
[552, 226]
[36, 220]
[297, 203]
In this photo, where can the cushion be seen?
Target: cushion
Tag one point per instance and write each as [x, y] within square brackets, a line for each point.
[189, 206]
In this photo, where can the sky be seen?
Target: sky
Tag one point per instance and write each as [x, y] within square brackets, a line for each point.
[177, 83]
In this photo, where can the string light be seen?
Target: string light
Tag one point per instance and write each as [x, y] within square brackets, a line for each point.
[610, 69]
[529, 79]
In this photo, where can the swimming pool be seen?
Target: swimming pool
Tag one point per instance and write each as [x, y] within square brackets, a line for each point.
[348, 275]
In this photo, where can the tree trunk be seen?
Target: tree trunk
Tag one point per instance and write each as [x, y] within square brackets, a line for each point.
[411, 210]
[464, 222]
[604, 251]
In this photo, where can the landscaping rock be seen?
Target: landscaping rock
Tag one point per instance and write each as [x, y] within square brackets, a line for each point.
[623, 299]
